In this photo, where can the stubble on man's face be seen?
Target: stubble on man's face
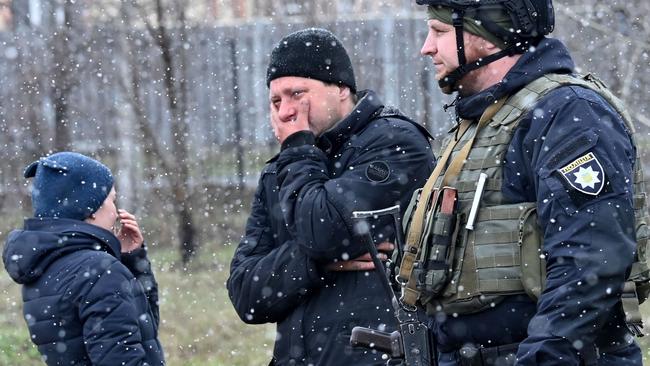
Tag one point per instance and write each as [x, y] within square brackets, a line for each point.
[286, 95]
[441, 46]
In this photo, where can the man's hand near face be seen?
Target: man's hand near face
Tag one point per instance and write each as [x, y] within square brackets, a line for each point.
[286, 126]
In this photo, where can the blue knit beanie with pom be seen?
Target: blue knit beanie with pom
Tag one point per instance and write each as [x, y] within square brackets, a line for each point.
[68, 185]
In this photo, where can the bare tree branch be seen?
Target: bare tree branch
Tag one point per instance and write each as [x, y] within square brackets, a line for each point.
[575, 15]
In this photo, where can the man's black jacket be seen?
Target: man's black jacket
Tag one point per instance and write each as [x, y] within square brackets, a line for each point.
[301, 220]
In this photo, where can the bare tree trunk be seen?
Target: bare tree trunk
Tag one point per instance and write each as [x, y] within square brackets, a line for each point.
[238, 8]
[154, 154]
[186, 229]
[239, 139]
[62, 138]
[30, 71]
[35, 149]
[177, 166]
[61, 86]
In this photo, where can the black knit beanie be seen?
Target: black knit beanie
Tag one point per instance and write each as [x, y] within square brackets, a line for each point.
[312, 53]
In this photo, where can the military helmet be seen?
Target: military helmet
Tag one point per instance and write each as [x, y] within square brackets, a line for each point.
[530, 18]
[531, 21]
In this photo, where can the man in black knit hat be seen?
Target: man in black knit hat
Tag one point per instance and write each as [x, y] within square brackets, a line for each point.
[299, 264]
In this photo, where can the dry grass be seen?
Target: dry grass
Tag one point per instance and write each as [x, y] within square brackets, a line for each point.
[199, 326]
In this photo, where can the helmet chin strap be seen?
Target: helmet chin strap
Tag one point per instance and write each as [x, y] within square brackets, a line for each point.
[453, 77]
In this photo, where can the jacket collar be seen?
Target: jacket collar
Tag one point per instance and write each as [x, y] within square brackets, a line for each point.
[366, 108]
[550, 56]
[69, 226]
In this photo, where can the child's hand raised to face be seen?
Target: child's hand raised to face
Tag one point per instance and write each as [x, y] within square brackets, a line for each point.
[128, 232]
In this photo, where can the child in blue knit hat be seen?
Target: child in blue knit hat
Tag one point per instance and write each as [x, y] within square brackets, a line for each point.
[90, 297]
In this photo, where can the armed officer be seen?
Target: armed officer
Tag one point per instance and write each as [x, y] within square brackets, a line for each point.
[550, 267]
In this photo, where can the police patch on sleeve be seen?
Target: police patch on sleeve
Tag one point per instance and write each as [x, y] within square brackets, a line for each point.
[585, 174]
[378, 171]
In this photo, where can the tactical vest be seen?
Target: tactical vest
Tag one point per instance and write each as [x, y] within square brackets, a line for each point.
[503, 255]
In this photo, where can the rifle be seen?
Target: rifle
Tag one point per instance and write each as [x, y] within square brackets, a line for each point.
[412, 343]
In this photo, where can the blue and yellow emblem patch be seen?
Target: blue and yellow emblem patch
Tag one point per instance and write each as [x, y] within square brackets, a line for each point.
[585, 174]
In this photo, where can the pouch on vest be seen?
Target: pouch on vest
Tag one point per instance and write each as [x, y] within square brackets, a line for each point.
[500, 257]
[533, 263]
[637, 287]
[639, 273]
[439, 241]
